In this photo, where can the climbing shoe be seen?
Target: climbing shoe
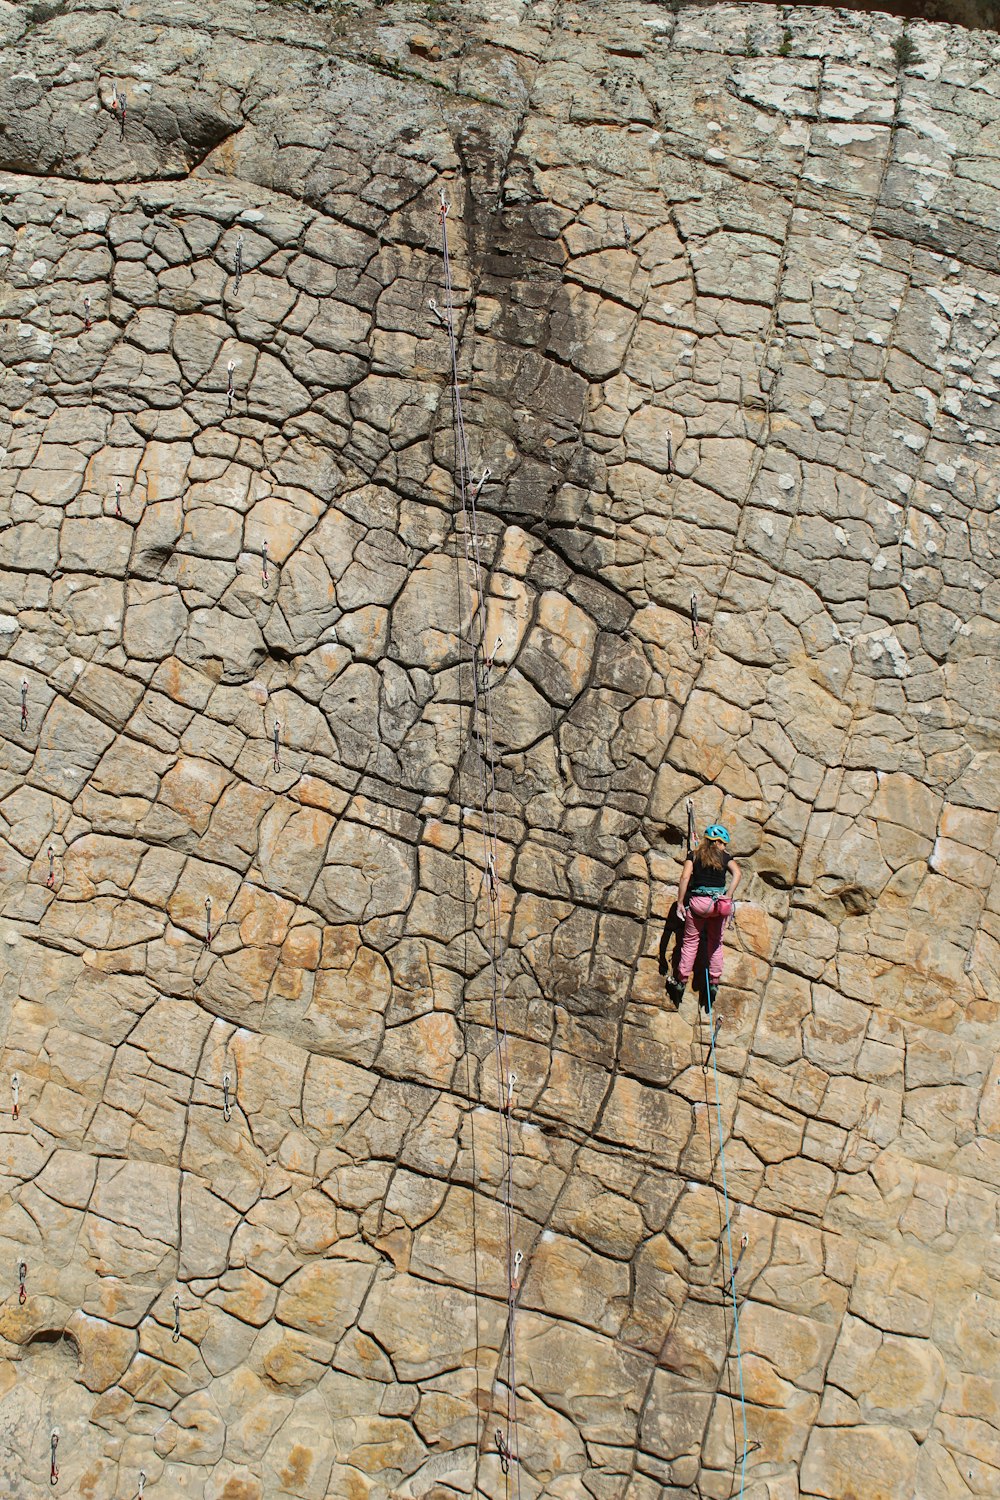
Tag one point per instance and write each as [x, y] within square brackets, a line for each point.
[675, 989]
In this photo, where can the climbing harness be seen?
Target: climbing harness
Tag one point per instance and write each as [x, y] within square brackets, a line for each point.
[483, 729]
[50, 879]
[263, 564]
[15, 1090]
[208, 920]
[238, 266]
[53, 1466]
[730, 1285]
[227, 1108]
[695, 629]
[277, 743]
[175, 1337]
[24, 704]
[86, 314]
[22, 1290]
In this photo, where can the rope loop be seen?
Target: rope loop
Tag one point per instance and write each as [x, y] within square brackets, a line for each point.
[730, 1285]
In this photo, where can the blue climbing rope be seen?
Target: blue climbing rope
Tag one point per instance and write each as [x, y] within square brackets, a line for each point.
[729, 1235]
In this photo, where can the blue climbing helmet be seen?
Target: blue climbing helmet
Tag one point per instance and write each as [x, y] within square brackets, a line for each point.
[716, 831]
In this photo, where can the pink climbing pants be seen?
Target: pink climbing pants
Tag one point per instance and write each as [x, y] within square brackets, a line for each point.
[700, 919]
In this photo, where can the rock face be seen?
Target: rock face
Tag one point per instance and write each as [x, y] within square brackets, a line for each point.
[726, 298]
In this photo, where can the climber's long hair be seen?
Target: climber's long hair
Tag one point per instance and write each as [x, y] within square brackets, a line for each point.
[713, 854]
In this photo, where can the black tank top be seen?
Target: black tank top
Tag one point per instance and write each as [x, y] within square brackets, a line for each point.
[705, 881]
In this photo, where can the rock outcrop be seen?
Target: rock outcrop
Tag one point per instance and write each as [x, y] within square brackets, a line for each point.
[726, 288]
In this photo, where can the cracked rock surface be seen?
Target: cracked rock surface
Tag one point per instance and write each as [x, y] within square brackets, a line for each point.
[727, 290]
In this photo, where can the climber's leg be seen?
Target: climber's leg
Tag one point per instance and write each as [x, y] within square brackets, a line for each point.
[715, 926]
[697, 909]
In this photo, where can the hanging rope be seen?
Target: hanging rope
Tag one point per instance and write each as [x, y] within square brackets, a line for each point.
[733, 1264]
[483, 728]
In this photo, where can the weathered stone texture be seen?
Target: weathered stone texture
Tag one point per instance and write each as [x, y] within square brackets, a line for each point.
[727, 301]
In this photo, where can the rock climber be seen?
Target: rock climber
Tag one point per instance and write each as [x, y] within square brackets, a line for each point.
[704, 906]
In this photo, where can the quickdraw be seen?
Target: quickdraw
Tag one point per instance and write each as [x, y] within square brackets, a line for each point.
[22, 1290]
[238, 266]
[490, 661]
[230, 386]
[86, 314]
[15, 1089]
[208, 920]
[175, 1337]
[503, 1452]
[53, 1466]
[263, 565]
[24, 704]
[118, 498]
[731, 1283]
[277, 744]
[123, 108]
[692, 835]
[516, 1272]
[227, 1108]
[511, 1083]
[50, 879]
[711, 1046]
[695, 629]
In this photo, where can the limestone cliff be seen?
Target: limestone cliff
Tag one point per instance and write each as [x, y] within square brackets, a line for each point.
[309, 1197]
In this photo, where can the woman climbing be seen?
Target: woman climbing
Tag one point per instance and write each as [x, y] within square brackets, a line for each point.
[704, 906]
